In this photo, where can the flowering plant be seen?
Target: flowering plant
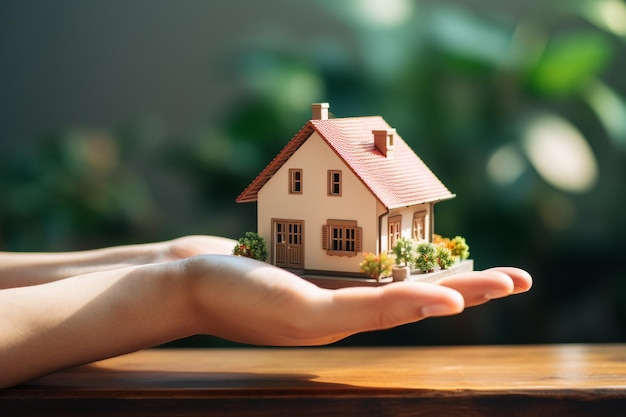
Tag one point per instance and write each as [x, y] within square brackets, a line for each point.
[376, 266]
[457, 246]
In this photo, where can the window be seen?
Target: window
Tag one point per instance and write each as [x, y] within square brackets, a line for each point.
[295, 181]
[341, 238]
[419, 226]
[395, 231]
[280, 233]
[334, 183]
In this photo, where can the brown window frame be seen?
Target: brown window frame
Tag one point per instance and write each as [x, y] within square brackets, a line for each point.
[393, 235]
[295, 184]
[332, 183]
[342, 238]
[419, 216]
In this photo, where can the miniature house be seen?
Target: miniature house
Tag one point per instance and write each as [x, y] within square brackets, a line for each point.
[340, 188]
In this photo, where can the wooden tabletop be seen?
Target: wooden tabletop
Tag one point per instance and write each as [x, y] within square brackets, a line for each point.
[550, 380]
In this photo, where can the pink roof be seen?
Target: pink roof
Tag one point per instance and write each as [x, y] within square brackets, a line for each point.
[400, 181]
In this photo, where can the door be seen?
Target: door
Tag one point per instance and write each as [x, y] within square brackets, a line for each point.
[288, 243]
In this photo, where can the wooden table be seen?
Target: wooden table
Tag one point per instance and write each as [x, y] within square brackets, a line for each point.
[570, 380]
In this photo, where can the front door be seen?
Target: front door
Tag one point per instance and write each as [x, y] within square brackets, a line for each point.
[288, 243]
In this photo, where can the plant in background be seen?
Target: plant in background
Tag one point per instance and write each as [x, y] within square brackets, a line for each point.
[440, 240]
[445, 259]
[76, 189]
[376, 266]
[404, 251]
[459, 247]
[426, 259]
[251, 245]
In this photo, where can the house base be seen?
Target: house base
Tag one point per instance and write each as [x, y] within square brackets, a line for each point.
[334, 282]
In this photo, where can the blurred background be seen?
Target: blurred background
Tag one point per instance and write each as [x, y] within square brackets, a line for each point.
[126, 122]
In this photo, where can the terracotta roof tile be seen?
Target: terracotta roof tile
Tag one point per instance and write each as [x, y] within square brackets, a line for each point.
[399, 181]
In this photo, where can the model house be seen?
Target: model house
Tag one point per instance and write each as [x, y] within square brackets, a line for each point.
[340, 188]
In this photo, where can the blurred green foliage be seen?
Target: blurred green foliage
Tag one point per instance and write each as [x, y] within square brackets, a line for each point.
[75, 191]
[468, 87]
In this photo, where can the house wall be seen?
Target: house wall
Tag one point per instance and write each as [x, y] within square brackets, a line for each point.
[315, 207]
[407, 214]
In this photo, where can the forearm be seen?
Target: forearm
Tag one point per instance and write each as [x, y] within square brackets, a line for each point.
[78, 320]
[23, 269]
[81, 319]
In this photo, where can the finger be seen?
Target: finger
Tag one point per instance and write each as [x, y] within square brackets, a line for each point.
[481, 286]
[359, 309]
[522, 281]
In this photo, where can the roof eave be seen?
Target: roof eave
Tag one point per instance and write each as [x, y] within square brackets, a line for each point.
[250, 193]
[415, 203]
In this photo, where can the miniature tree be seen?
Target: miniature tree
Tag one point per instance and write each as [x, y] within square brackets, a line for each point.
[376, 266]
[251, 245]
[426, 257]
[445, 259]
[459, 247]
[404, 251]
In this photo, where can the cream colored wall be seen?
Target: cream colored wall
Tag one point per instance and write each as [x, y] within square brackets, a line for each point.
[315, 207]
[407, 221]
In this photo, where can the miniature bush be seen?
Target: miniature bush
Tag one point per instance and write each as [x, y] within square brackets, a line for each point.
[376, 266]
[404, 251]
[441, 241]
[426, 257]
[251, 245]
[445, 259]
[459, 247]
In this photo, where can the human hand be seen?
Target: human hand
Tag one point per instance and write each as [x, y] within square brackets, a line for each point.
[252, 302]
[228, 296]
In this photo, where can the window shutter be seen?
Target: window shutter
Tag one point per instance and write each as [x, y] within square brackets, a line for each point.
[358, 231]
[325, 237]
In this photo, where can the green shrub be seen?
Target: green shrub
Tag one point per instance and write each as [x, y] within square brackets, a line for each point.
[426, 257]
[404, 251]
[445, 259]
[252, 245]
[459, 247]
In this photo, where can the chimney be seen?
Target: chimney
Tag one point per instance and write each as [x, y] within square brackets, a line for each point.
[319, 111]
[383, 140]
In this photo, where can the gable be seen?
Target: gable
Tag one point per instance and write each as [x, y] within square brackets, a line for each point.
[251, 192]
[316, 162]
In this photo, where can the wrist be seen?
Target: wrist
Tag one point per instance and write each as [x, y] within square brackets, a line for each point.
[176, 286]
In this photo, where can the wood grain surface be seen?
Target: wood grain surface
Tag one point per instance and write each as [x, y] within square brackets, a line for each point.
[549, 380]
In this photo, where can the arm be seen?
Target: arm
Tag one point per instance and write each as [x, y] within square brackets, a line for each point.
[23, 269]
[81, 319]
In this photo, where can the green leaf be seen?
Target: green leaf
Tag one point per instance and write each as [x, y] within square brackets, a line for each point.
[462, 34]
[570, 61]
[609, 15]
[610, 107]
